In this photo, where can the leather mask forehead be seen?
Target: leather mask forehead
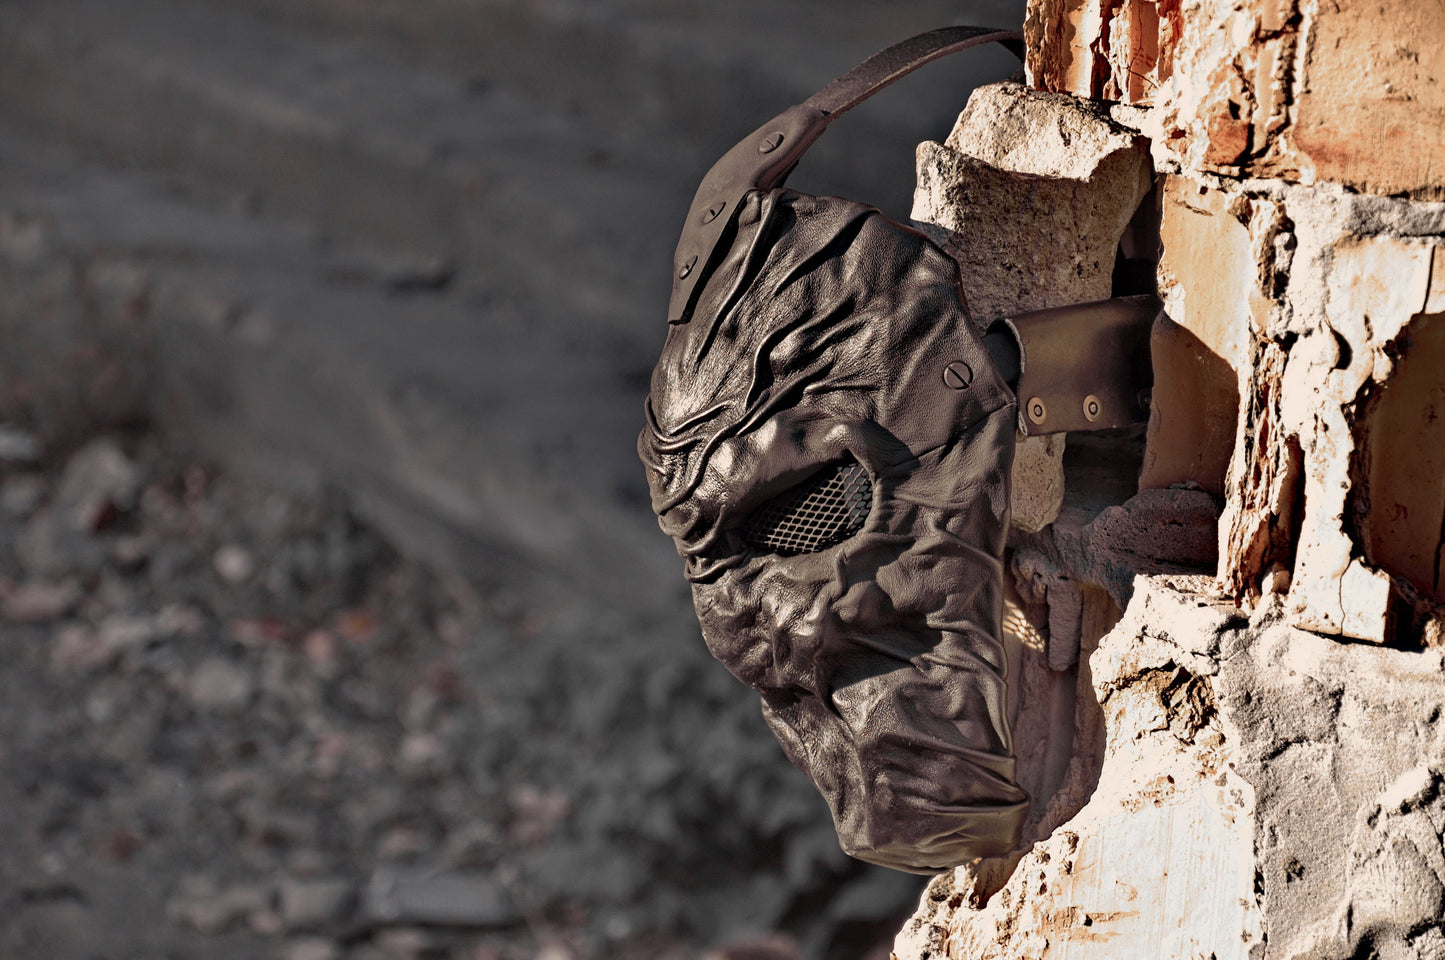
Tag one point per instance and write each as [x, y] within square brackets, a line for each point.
[824, 330]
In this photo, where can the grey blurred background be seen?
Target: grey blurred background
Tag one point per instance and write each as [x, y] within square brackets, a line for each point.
[398, 267]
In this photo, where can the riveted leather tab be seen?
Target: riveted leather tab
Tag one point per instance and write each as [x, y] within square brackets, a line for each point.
[760, 161]
[1086, 366]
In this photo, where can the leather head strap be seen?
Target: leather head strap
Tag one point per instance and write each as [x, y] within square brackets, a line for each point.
[763, 159]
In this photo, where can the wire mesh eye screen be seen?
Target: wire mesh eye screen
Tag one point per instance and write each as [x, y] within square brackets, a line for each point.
[826, 509]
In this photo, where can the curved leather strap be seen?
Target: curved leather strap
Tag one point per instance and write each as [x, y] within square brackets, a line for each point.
[763, 159]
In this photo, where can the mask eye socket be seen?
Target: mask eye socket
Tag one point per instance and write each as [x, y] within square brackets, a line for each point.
[825, 509]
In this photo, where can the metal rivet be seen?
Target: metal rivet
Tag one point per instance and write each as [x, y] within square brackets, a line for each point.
[1092, 408]
[1038, 413]
[958, 375]
[710, 214]
[687, 267]
[771, 142]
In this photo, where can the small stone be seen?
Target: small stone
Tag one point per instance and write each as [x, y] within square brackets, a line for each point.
[121, 632]
[38, 600]
[420, 754]
[75, 649]
[130, 552]
[535, 813]
[24, 238]
[230, 784]
[180, 619]
[312, 903]
[400, 843]
[97, 480]
[214, 912]
[17, 445]
[421, 708]
[234, 564]
[321, 651]
[457, 899]
[406, 943]
[21, 494]
[220, 685]
[117, 284]
[310, 948]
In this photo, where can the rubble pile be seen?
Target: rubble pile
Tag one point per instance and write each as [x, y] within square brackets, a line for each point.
[236, 723]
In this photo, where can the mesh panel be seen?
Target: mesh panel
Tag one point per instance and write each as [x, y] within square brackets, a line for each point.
[827, 508]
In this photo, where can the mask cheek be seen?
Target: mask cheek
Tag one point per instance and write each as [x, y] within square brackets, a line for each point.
[767, 619]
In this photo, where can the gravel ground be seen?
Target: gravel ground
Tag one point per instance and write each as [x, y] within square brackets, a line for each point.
[236, 723]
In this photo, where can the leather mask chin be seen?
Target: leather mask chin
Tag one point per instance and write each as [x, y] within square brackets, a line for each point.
[829, 445]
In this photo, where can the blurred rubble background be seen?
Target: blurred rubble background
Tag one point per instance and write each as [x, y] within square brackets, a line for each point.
[335, 623]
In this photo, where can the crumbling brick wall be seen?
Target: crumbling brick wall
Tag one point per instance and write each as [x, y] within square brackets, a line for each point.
[1253, 767]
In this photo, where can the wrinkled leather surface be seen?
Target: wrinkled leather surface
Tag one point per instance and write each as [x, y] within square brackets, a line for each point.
[824, 332]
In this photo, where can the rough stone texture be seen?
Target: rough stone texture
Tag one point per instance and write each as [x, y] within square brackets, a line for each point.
[1345, 747]
[1038, 481]
[1233, 747]
[1295, 89]
[1032, 192]
[1307, 294]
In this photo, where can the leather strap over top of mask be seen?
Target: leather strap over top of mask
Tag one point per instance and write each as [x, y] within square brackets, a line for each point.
[829, 445]
[763, 159]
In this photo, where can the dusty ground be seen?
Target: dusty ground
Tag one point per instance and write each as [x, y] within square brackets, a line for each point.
[236, 723]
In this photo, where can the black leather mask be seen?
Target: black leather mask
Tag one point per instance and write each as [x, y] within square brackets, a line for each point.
[829, 444]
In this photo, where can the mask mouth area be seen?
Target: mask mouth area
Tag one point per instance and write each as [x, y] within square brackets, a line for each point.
[820, 512]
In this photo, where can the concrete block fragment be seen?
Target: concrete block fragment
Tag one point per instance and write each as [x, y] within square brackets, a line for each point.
[1157, 531]
[1032, 193]
[1098, 886]
[1343, 745]
[1193, 411]
[1210, 281]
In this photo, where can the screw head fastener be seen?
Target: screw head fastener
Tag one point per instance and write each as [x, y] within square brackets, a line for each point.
[771, 142]
[686, 268]
[958, 375]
